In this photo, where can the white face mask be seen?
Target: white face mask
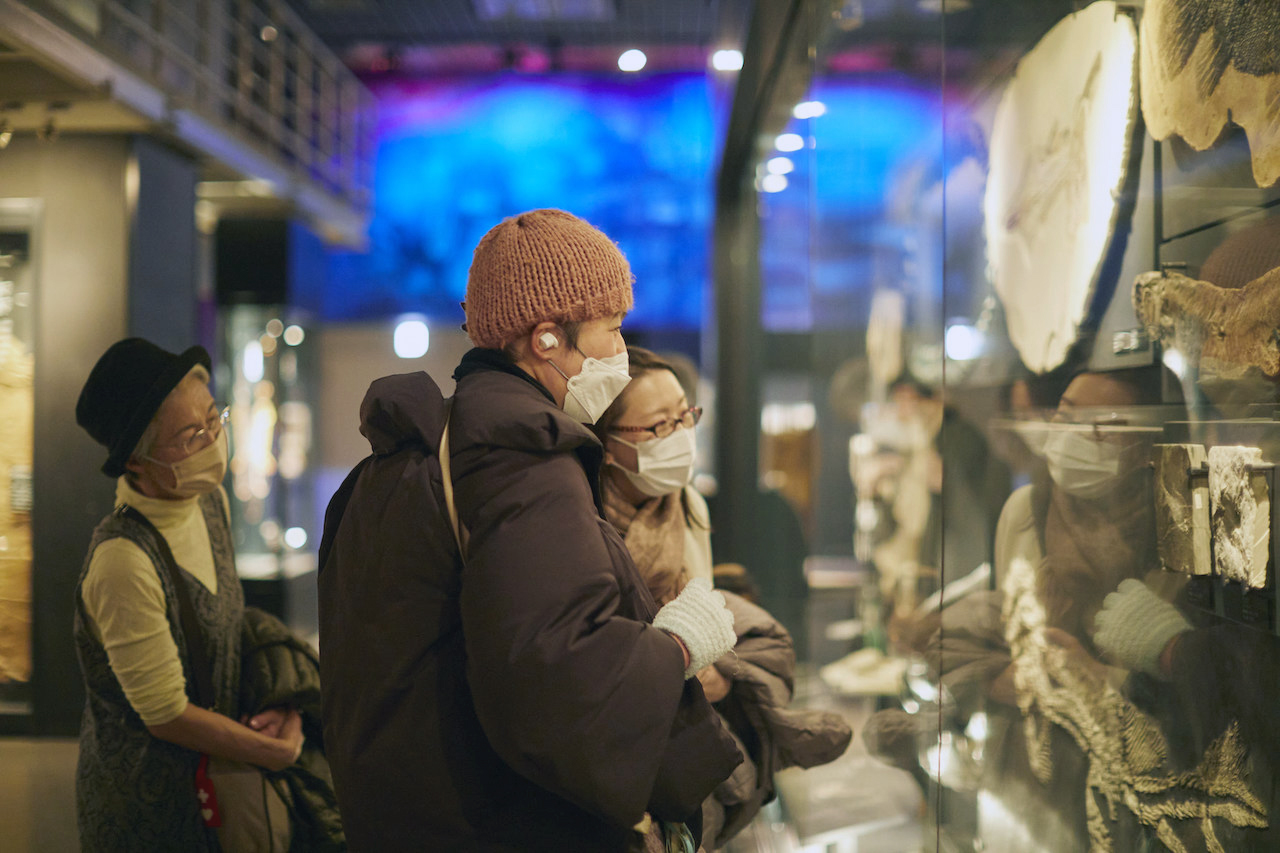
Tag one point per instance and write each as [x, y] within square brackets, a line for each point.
[595, 386]
[666, 464]
[1082, 465]
[200, 472]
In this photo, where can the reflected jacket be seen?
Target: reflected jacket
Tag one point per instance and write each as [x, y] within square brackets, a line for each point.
[522, 701]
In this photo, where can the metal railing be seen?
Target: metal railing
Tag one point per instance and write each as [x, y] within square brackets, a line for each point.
[249, 66]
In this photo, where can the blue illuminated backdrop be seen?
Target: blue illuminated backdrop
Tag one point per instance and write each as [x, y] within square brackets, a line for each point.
[634, 156]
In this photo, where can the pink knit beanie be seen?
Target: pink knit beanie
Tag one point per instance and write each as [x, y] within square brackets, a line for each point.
[542, 265]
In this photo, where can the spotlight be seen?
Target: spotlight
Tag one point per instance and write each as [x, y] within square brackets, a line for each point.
[6, 134]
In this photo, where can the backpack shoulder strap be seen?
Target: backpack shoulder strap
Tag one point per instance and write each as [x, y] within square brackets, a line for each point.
[446, 470]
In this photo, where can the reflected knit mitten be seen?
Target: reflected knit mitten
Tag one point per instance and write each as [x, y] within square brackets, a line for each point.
[1134, 626]
[699, 617]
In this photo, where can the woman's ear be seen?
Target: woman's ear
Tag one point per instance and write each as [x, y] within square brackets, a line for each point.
[134, 465]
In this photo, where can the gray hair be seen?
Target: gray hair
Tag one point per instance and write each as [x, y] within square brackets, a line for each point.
[147, 441]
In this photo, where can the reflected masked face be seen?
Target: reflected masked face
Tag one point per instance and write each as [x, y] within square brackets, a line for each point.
[1083, 461]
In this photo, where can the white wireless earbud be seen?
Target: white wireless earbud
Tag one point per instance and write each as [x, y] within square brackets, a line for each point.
[548, 340]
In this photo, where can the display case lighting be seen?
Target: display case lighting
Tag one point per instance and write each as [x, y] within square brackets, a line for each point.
[1175, 361]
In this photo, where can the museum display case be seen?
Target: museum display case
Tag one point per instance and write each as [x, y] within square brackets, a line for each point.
[17, 412]
[1020, 261]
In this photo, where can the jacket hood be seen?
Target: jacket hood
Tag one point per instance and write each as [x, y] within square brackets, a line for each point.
[405, 408]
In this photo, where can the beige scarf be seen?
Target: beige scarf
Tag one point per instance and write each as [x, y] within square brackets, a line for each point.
[654, 534]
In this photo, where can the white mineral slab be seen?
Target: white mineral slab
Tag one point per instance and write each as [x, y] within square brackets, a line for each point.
[1240, 504]
[1182, 509]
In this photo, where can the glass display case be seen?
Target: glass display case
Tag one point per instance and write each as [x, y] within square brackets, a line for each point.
[17, 412]
[1021, 262]
[269, 374]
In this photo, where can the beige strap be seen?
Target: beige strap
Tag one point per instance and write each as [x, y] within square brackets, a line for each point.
[459, 531]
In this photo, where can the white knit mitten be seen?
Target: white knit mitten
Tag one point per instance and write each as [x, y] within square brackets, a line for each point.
[1134, 626]
[699, 617]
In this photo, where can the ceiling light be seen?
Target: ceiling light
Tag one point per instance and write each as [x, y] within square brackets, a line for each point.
[545, 10]
[726, 60]
[6, 134]
[789, 142]
[773, 183]
[632, 60]
[779, 166]
[809, 109]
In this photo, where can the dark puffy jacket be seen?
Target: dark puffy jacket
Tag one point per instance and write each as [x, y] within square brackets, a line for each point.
[521, 702]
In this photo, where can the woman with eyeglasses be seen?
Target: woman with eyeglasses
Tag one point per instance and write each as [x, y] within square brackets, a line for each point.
[143, 732]
[650, 450]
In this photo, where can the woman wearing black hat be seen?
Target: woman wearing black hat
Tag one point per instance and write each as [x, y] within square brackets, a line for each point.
[141, 736]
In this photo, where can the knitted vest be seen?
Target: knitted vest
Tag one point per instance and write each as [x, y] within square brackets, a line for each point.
[133, 790]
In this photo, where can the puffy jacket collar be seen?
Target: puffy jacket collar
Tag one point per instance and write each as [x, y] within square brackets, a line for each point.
[480, 359]
[405, 408]
[492, 408]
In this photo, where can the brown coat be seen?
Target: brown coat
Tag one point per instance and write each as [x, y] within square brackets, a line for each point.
[773, 735]
[522, 702]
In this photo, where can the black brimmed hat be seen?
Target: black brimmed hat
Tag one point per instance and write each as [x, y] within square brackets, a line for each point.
[124, 391]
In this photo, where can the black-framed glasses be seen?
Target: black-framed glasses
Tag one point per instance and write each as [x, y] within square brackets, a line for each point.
[688, 418]
[203, 437]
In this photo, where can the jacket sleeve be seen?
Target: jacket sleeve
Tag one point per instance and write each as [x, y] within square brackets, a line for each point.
[573, 695]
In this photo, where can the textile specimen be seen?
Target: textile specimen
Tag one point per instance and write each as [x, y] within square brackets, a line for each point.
[1127, 752]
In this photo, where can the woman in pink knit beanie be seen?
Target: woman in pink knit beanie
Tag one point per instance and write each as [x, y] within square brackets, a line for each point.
[516, 687]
